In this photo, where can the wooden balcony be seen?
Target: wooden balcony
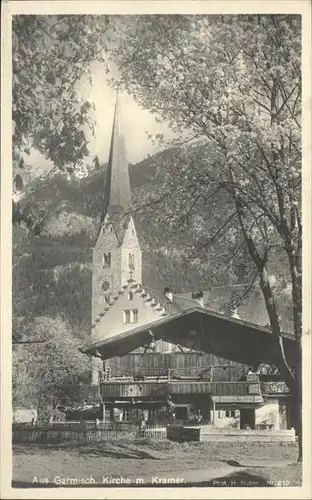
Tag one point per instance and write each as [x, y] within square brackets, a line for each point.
[159, 389]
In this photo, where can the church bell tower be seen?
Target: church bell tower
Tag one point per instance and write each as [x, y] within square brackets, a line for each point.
[117, 255]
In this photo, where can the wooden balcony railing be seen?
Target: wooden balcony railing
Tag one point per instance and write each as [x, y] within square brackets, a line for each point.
[161, 388]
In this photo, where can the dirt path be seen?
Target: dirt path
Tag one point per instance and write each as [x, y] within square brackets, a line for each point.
[156, 463]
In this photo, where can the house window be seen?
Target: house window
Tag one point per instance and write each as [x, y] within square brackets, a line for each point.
[131, 316]
[127, 316]
[131, 261]
[106, 259]
[130, 296]
[107, 373]
[135, 316]
[230, 414]
[126, 414]
[181, 412]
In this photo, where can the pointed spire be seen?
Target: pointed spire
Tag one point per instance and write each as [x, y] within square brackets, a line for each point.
[117, 189]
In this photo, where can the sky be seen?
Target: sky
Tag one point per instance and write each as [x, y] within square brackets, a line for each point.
[136, 121]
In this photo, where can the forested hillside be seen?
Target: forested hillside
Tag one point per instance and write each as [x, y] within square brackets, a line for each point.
[52, 270]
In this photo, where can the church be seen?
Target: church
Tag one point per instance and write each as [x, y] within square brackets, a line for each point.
[152, 375]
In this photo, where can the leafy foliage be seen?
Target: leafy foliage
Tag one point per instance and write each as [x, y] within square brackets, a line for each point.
[49, 373]
[50, 56]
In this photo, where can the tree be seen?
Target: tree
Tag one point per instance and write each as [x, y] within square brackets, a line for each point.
[234, 82]
[51, 54]
[50, 373]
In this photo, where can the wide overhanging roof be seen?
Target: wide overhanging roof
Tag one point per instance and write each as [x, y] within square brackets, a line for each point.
[203, 330]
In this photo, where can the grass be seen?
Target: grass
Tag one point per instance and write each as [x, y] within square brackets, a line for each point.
[202, 463]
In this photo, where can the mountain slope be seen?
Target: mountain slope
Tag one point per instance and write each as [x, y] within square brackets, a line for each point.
[52, 271]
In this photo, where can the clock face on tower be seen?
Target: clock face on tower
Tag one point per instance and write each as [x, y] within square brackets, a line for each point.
[105, 286]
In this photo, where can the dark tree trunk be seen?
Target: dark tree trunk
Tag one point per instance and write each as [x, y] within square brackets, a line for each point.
[298, 402]
[284, 367]
[296, 278]
[293, 380]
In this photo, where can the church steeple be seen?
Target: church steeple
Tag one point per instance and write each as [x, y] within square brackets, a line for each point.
[117, 188]
[116, 255]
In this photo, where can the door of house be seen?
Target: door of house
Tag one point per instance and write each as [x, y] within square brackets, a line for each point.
[247, 418]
